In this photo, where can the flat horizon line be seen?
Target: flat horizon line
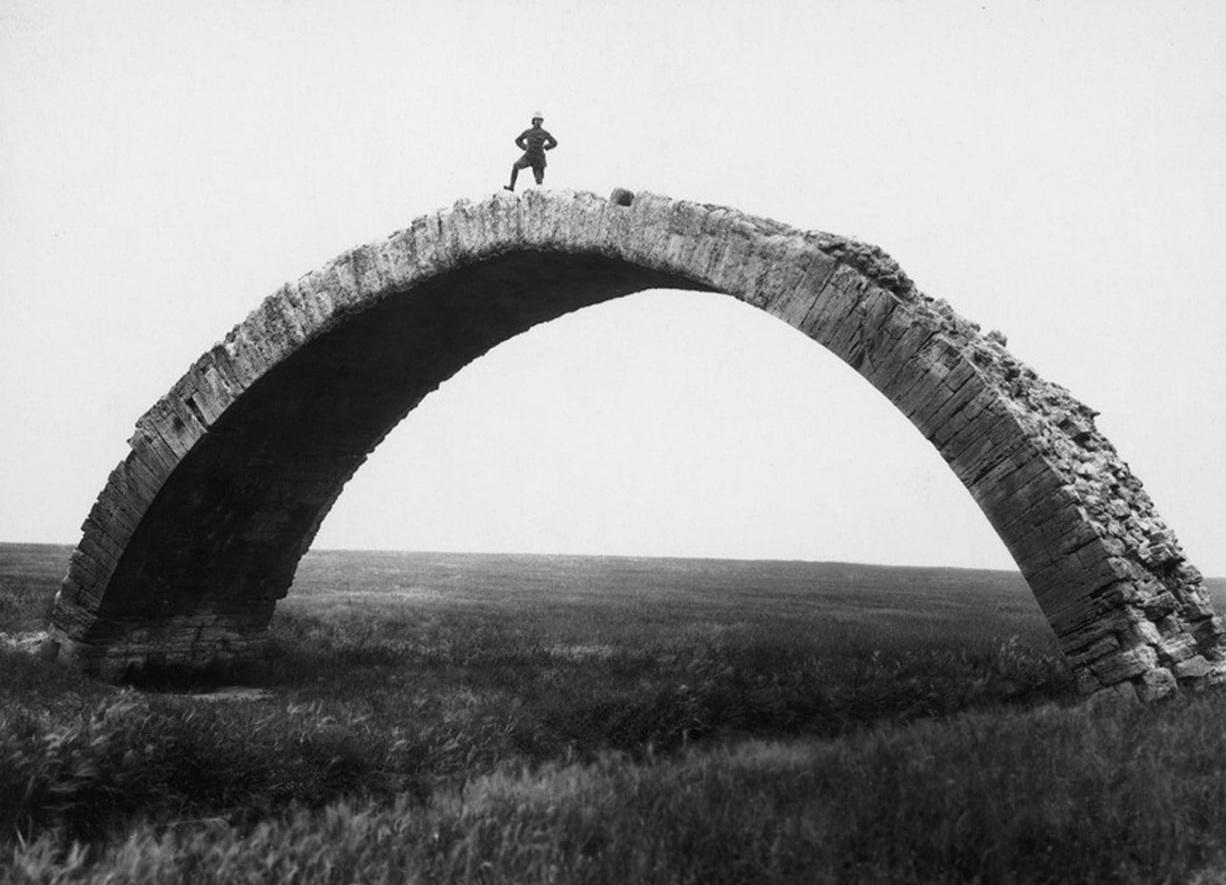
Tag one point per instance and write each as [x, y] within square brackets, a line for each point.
[67, 547]
[510, 554]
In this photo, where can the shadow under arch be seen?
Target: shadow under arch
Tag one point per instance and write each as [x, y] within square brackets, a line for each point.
[199, 530]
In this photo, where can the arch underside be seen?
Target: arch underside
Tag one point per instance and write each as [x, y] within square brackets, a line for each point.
[222, 539]
[199, 531]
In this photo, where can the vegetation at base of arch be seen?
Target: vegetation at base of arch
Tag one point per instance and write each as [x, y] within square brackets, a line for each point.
[419, 727]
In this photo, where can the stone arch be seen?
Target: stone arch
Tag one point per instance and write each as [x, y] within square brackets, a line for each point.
[200, 528]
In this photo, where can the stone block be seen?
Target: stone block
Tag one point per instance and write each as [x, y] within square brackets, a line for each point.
[979, 445]
[136, 483]
[313, 314]
[1039, 565]
[583, 224]
[1003, 485]
[222, 362]
[86, 572]
[1143, 631]
[929, 393]
[686, 217]
[919, 367]
[280, 331]
[837, 301]
[245, 360]
[156, 424]
[733, 269]
[792, 306]
[1208, 632]
[71, 620]
[154, 455]
[1177, 648]
[317, 299]
[897, 373]
[1160, 605]
[1155, 684]
[1070, 610]
[1040, 528]
[1100, 648]
[1125, 664]
[467, 233]
[701, 259]
[950, 429]
[284, 307]
[107, 540]
[648, 222]
[671, 255]
[794, 303]
[848, 340]
[962, 371]
[931, 422]
[1121, 594]
[612, 224]
[112, 508]
[1079, 626]
[1193, 668]
[887, 364]
[1196, 606]
[1065, 584]
[205, 394]
[878, 306]
[427, 254]
[68, 593]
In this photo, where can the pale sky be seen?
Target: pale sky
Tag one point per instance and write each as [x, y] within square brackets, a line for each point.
[1053, 170]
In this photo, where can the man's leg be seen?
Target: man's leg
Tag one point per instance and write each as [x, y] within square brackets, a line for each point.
[539, 172]
[522, 163]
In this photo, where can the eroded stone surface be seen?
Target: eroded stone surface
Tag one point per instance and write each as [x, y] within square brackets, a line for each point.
[199, 530]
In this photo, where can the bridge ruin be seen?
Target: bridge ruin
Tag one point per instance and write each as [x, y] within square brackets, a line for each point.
[199, 530]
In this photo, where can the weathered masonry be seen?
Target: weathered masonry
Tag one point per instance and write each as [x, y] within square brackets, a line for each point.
[199, 530]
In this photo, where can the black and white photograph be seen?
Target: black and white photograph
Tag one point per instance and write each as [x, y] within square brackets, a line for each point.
[578, 441]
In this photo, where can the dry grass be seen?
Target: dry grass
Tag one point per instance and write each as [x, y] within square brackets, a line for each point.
[472, 719]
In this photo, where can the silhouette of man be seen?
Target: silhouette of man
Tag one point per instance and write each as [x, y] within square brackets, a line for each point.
[533, 142]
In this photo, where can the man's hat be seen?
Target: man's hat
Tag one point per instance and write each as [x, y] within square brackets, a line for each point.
[537, 115]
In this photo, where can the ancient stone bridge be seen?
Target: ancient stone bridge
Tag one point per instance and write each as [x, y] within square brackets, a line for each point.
[199, 530]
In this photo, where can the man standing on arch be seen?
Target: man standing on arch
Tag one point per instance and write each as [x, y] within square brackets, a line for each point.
[533, 142]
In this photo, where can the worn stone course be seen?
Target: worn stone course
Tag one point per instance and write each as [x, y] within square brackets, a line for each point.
[198, 531]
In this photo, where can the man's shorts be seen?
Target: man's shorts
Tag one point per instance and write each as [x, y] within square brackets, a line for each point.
[537, 163]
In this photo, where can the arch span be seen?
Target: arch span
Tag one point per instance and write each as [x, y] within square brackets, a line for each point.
[200, 528]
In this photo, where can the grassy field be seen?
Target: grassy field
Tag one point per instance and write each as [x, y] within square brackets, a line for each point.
[460, 718]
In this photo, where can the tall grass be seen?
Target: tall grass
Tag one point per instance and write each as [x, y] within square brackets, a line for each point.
[1048, 795]
[742, 731]
[391, 713]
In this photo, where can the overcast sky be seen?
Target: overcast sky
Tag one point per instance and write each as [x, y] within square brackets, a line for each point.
[1053, 170]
